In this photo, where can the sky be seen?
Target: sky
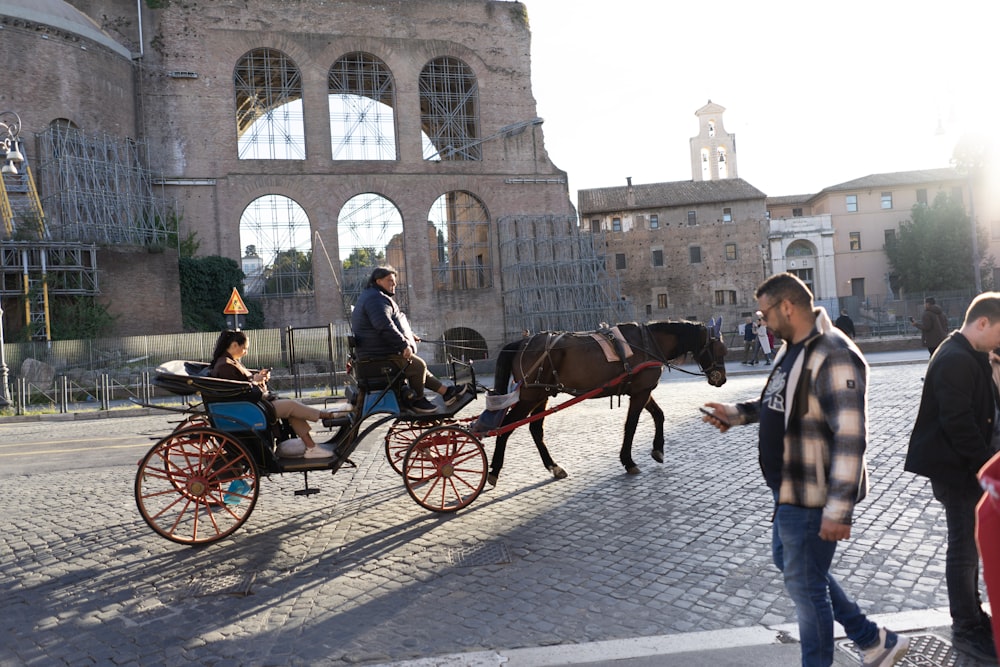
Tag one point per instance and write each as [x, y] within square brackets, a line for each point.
[817, 93]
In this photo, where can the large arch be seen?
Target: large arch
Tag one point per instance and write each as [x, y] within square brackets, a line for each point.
[370, 234]
[459, 227]
[275, 235]
[449, 110]
[269, 121]
[362, 100]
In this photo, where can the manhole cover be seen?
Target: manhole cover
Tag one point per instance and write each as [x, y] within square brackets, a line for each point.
[925, 651]
[222, 584]
[481, 553]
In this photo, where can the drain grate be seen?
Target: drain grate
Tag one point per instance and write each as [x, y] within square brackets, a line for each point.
[222, 584]
[925, 651]
[479, 554]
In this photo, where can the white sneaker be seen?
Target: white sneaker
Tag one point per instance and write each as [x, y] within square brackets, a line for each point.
[318, 452]
[890, 649]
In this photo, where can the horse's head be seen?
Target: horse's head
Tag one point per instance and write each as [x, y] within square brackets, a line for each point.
[712, 359]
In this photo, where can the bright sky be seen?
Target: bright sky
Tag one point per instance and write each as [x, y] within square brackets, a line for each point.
[817, 93]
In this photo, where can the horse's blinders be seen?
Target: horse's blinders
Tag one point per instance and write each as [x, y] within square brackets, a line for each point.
[712, 360]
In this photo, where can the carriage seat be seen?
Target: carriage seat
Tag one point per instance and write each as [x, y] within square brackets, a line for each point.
[374, 373]
[246, 404]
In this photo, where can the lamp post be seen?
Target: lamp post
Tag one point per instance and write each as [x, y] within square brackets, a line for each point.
[10, 130]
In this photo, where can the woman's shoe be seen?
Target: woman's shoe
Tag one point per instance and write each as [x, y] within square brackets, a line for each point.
[319, 452]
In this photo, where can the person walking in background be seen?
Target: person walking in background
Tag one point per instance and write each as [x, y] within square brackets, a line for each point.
[763, 342]
[811, 442]
[951, 440]
[845, 323]
[933, 325]
[749, 340]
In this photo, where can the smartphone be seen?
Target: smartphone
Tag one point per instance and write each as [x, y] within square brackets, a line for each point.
[712, 415]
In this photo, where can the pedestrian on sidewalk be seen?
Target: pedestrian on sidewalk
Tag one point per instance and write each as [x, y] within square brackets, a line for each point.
[763, 342]
[749, 340]
[933, 325]
[951, 440]
[812, 440]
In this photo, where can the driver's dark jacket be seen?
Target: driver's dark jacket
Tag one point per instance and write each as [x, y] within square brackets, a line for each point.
[952, 436]
[380, 327]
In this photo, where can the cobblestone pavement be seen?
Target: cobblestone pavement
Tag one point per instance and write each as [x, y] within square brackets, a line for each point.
[360, 574]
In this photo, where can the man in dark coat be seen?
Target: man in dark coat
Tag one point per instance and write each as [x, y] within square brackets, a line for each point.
[382, 330]
[933, 325]
[845, 323]
[951, 441]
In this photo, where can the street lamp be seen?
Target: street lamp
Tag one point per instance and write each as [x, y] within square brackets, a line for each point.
[10, 130]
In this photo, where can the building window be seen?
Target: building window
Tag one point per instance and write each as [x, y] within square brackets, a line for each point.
[269, 123]
[886, 200]
[695, 253]
[658, 257]
[458, 230]
[725, 297]
[620, 261]
[649, 309]
[616, 224]
[595, 226]
[727, 215]
[855, 239]
[449, 111]
[692, 218]
[654, 222]
[661, 301]
[730, 251]
[362, 103]
[922, 196]
[852, 203]
[890, 236]
[796, 212]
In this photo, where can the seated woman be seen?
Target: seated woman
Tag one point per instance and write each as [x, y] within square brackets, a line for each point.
[229, 350]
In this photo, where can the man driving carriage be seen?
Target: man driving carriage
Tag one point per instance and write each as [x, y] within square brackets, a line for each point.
[381, 330]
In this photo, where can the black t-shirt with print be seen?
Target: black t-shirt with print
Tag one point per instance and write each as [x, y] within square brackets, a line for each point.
[771, 445]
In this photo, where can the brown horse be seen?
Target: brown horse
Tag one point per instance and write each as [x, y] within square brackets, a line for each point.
[549, 363]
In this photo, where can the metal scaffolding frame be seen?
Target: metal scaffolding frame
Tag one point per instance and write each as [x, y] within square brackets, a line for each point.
[96, 189]
[554, 278]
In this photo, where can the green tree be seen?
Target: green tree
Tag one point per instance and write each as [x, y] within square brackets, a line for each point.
[206, 285]
[364, 258]
[933, 251]
[291, 273]
[76, 317]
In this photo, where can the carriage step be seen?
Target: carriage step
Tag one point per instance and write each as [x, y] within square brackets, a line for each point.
[308, 491]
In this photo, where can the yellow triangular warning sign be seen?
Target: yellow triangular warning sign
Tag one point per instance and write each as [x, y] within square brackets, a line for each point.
[235, 305]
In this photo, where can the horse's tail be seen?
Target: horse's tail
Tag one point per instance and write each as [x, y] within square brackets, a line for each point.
[505, 365]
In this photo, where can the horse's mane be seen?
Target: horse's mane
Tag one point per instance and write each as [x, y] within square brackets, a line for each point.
[689, 334]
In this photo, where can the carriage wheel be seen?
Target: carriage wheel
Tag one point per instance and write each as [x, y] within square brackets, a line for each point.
[445, 469]
[196, 486]
[402, 434]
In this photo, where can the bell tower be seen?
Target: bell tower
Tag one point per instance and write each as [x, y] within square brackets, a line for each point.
[713, 151]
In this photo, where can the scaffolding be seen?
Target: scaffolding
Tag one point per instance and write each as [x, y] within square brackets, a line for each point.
[96, 190]
[554, 277]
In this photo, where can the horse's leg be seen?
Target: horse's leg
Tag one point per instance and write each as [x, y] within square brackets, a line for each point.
[516, 413]
[537, 429]
[654, 410]
[636, 403]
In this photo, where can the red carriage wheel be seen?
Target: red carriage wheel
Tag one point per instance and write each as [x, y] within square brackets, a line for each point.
[402, 434]
[196, 486]
[445, 469]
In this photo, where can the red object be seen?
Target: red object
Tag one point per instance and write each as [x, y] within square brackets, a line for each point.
[988, 536]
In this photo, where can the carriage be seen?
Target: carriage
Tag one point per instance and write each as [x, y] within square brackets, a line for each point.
[201, 482]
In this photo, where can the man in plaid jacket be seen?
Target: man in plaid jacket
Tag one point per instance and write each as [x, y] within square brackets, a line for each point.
[813, 434]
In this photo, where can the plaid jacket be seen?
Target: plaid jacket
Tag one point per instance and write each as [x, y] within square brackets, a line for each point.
[826, 424]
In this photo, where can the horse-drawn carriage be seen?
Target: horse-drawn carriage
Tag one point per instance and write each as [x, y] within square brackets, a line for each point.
[201, 482]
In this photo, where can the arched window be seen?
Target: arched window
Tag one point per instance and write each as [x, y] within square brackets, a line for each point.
[269, 122]
[449, 110]
[800, 249]
[711, 128]
[276, 237]
[723, 166]
[706, 166]
[370, 234]
[460, 237]
[362, 109]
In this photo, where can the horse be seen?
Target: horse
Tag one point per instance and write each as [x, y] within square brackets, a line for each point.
[548, 363]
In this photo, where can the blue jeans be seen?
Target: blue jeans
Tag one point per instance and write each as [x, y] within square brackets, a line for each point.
[804, 559]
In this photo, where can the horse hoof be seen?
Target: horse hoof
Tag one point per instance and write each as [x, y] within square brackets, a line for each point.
[557, 472]
[491, 480]
[632, 470]
[657, 456]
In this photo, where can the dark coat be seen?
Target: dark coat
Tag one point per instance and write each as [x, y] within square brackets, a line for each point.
[380, 327]
[951, 439]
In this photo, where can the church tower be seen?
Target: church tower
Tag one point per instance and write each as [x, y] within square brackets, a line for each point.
[713, 151]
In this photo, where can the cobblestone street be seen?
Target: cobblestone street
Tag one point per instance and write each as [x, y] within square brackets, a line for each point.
[360, 574]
